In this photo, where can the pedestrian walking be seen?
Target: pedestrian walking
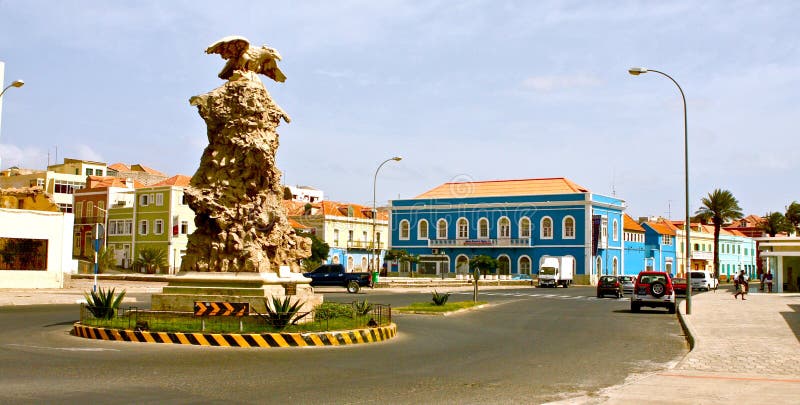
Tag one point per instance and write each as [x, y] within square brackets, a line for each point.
[741, 283]
[768, 280]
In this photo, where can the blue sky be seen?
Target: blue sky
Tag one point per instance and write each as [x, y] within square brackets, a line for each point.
[463, 90]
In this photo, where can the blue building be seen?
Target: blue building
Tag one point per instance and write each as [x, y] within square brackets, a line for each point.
[660, 246]
[518, 222]
[635, 259]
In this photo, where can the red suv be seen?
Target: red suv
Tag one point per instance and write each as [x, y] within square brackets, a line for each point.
[653, 289]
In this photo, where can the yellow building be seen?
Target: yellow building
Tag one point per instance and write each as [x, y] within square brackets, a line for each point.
[59, 180]
[346, 228]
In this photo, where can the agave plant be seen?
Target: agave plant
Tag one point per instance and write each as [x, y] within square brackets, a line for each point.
[362, 307]
[440, 299]
[103, 304]
[282, 312]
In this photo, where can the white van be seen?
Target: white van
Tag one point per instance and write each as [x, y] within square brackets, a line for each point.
[703, 280]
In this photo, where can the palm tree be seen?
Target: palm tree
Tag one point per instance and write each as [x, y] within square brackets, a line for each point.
[793, 215]
[151, 258]
[720, 206]
[775, 223]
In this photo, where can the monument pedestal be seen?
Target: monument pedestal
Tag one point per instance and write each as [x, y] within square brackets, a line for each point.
[190, 286]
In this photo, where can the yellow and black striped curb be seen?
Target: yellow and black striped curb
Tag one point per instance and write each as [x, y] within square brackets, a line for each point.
[339, 338]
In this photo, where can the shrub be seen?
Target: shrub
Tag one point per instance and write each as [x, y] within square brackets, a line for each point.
[331, 310]
[102, 303]
[282, 312]
[362, 307]
[440, 299]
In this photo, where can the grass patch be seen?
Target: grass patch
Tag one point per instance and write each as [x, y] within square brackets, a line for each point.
[433, 308]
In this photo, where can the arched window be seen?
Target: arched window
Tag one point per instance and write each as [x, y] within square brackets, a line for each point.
[615, 231]
[483, 228]
[463, 228]
[524, 227]
[568, 228]
[524, 265]
[547, 228]
[599, 266]
[422, 229]
[462, 264]
[441, 229]
[614, 266]
[503, 265]
[503, 228]
[404, 230]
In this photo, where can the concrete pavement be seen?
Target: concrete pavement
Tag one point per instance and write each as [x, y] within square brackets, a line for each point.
[744, 352]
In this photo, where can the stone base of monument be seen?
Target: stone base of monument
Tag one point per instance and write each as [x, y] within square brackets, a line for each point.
[188, 287]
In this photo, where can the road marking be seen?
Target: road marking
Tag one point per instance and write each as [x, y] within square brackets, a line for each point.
[67, 349]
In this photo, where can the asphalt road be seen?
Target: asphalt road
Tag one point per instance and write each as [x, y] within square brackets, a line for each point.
[528, 346]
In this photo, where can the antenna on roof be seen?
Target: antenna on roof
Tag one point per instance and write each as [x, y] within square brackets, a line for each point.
[613, 182]
[669, 208]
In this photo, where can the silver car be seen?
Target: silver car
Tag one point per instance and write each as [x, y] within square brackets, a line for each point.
[627, 283]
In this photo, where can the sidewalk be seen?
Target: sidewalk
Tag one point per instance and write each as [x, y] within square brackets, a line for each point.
[745, 352]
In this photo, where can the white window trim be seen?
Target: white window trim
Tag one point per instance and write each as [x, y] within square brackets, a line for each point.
[519, 224]
[438, 235]
[144, 200]
[500, 228]
[146, 224]
[156, 224]
[564, 227]
[614, 266]
[419, 230]
[488, 228]
[400, 230]
[542, 228]
[519, 265]
[160, 199]
[615, 230]
[509, 263]
[598, 266]
[458, 228]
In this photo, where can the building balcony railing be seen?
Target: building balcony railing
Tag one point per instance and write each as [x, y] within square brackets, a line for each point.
[499, 242]
[354, 244]
[83, 220]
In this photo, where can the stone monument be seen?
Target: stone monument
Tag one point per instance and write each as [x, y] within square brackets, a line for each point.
[244, 248]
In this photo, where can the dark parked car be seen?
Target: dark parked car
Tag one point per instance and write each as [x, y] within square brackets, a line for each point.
[609, 285]
[627, 283]
[335, 275]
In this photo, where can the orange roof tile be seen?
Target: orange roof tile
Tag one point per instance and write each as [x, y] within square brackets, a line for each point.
[497, 188]
[120, 167]
[179, 180]
[661, 227]
[297, 225]
[95, 182]
[141, 168]
[629, 224]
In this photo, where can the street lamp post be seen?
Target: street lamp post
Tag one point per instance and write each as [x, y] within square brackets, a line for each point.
[687, 225]
[99, 233]
[15, 83]
[374, 210]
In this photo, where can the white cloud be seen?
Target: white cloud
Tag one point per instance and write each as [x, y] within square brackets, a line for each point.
[28, 158]
[550, 83]
[85, 152]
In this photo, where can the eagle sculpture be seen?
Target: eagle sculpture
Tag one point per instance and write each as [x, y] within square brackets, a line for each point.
[245, 58]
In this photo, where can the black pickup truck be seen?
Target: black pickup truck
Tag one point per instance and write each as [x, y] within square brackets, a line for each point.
[334, 275]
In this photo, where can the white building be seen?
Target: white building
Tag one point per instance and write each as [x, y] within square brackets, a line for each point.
[306, 194]
[35, 248]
